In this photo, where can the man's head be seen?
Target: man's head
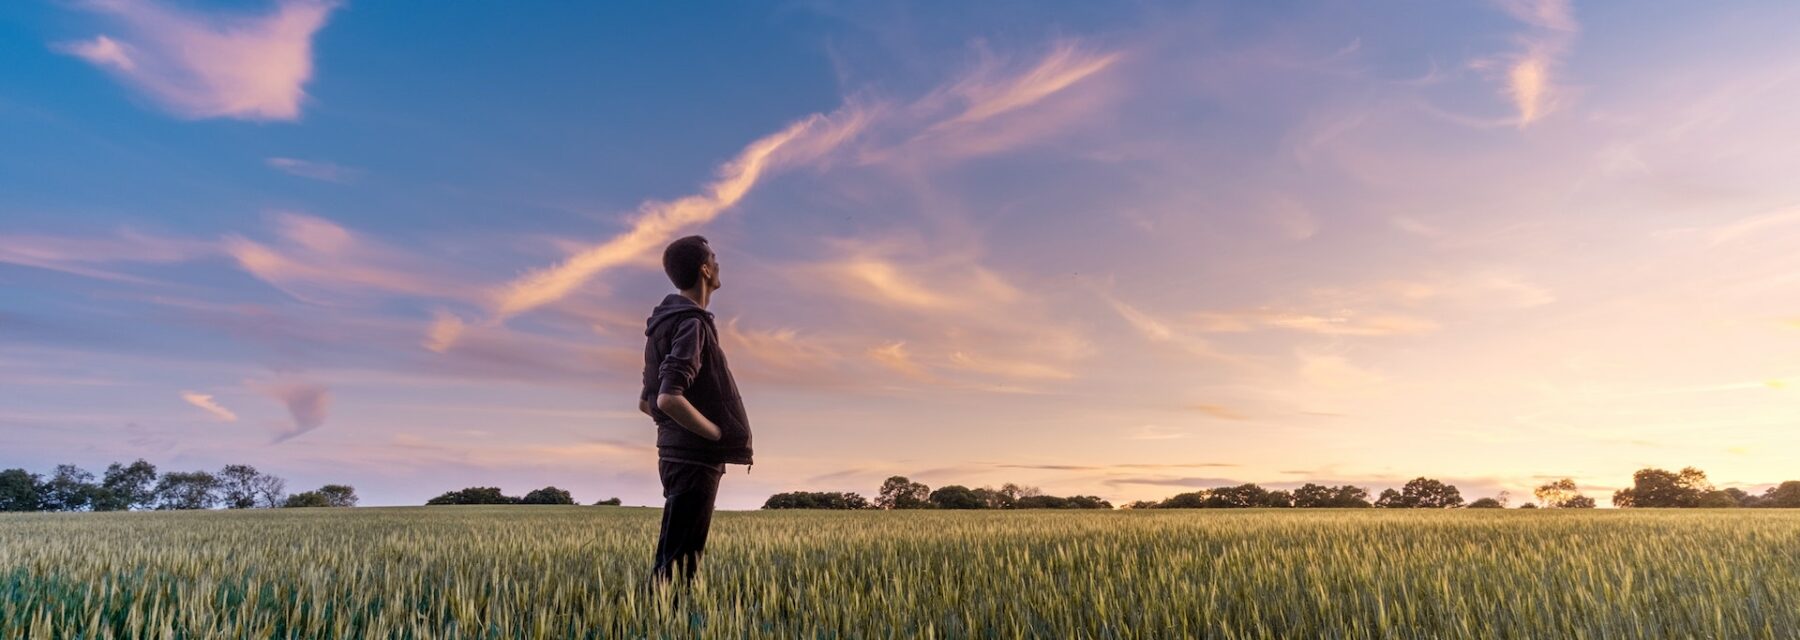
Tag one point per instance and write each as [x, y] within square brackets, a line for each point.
[690, 264]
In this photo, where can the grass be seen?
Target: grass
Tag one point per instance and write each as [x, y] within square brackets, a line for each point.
[555, 572]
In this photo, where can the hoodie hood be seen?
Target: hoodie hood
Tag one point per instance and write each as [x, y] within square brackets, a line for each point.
[674, 306]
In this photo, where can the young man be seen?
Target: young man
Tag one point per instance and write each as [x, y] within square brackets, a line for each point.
[688, 391]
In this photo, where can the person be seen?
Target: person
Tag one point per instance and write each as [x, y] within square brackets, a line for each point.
[689, 393]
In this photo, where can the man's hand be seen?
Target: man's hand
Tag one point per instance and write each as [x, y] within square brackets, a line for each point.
[684, 413]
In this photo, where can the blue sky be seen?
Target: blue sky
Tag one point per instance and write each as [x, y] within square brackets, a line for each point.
[1124, 250]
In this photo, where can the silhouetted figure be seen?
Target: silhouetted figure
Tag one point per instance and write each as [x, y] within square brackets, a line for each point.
[688, 391]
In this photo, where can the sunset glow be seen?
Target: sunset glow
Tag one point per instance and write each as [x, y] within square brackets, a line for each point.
[1126, 252]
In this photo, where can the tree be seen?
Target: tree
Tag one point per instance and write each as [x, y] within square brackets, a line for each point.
[1141, 504]
[1244, 496]
[1528, 505]
[900, 493]
[21, 490]
[306, 499]
[270, 491]
[1010, 494]
[473, 495]
[816, 500]
[956, 496]
[1562, 494]
[1088, 502]
[1552, 494]
[124, 487]
[609, 502]
[1486, 503]
[548, 495]
[1660, 489]
[1786, 495]
[1717, 500]
[1189, 500]
[331, 495]
[187, 490]
[1313, 496]
[237, 486]
[1421, 493]
[991, 498]
[339, 495]
[70, 489]
[1351, 497]
[1316, 496]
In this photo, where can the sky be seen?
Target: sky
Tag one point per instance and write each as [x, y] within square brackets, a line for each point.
[1117, 249]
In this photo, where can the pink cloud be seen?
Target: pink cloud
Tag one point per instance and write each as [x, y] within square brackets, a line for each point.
[319, 261]
[81, 256]
[307, 403]
[195, 65]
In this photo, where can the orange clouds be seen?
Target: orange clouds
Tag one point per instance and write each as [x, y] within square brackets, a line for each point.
[989, 92]
[206, 403]
[445, 329]
[894, 356]
[657, 223]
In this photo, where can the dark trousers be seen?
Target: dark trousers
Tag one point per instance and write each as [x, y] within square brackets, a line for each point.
[688, 494]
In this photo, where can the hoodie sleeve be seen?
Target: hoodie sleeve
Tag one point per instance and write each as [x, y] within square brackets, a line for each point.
[683, 362]
[652, 375]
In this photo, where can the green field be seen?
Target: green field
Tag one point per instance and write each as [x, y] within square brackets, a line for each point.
[554, 572]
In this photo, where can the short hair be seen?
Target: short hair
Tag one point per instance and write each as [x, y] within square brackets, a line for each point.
[683, 259]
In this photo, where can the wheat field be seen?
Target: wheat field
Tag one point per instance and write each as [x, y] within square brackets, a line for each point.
[575, 572]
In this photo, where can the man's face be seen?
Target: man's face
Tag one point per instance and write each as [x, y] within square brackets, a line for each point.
[711, 271]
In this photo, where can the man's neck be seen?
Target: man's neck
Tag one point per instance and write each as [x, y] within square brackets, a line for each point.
[700, 295]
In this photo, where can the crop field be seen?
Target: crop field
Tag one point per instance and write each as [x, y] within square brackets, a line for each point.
[555, 572]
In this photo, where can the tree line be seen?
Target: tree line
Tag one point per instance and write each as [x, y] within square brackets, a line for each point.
[125, 487]
[899, 492]
[492, 495]
[1651, 488]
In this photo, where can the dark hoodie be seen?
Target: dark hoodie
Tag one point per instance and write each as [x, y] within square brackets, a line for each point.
[682, 357]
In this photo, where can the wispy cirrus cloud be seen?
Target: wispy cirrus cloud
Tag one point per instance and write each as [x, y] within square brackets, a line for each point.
[895, 357]
[1002, 103]
[326, 171]
[1008, 367]
[1747, 226]
[201, 65]
[905, 274]
[1339, 323]
[993, 90]
[208, 404]
[657, 222]
[1530, 80]
[319, 261]
[783, 355]
[84, 255]
[1156, 330]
